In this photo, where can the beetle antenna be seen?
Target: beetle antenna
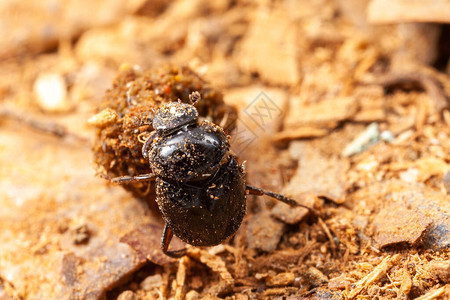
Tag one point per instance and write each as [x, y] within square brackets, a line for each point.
[195, 97]
[151, 115]
[153, 111]
[291, 202]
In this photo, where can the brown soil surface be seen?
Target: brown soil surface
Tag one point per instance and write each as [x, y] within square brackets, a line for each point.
[344, 113]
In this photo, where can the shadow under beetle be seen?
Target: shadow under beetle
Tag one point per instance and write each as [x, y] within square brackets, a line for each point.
[200, 186]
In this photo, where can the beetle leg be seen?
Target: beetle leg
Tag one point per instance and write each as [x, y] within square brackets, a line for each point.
[165, 241]
[148, 144]
[128, 179]
[289, 201]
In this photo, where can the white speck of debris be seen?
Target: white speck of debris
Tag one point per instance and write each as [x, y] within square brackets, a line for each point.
[365, 139]
[387, 136]
[411, 175]
[51, 92]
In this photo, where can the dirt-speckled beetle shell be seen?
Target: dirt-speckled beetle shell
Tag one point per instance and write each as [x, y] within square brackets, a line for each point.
[200, 186]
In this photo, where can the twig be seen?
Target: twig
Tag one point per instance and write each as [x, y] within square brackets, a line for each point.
[430, 84]
[305, 251]
[377, 273]
[51, 128]
[214, 262]
[433, 294]
[329, 235]
[183, 265]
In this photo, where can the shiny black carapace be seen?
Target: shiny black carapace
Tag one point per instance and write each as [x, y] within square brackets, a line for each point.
[200, 186]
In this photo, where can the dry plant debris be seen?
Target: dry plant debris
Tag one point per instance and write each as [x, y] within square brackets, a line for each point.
[346, 116]
[409, 11]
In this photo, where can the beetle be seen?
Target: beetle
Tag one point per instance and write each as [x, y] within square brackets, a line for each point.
[200, 186]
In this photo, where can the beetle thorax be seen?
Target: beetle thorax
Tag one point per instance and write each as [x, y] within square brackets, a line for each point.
[192, 152]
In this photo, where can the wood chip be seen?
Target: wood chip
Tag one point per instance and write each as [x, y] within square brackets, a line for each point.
[47, 23]
[431, 166]
[317, 174]
[281, 279]
[145, 241]
[441, 270]
[326, 112]
[434, 294]
[424, 219]
[214, 262]
[403, 11]
[378, 273]
[183, 265]
[103, 118]
[267, 25]
[279, 291]
[429, 83]
[299, 133]
[263, 232]
[393, 228]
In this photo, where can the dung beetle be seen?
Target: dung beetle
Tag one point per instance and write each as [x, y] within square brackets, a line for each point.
[200, 186]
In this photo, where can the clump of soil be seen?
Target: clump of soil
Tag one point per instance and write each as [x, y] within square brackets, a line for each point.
[124, 120]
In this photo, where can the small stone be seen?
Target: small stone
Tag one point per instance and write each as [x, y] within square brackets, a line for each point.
[82, 235]
[196, 282]
[326, 295]
[411, 175]
[127, 295]
[281, 279]
[415, 216]
[317, 275]
[151, 282]
[387, 136]
[440, 270]
[314, 277]
[192, 295]
[431, 166]
[218, 289]
[103, 118]
[446, 180]
[51, 92]
[241, 297]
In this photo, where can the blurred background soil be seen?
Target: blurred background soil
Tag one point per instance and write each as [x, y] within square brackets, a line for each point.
[342, 105]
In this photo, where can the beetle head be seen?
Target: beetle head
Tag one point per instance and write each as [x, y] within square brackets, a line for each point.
[172, 116]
